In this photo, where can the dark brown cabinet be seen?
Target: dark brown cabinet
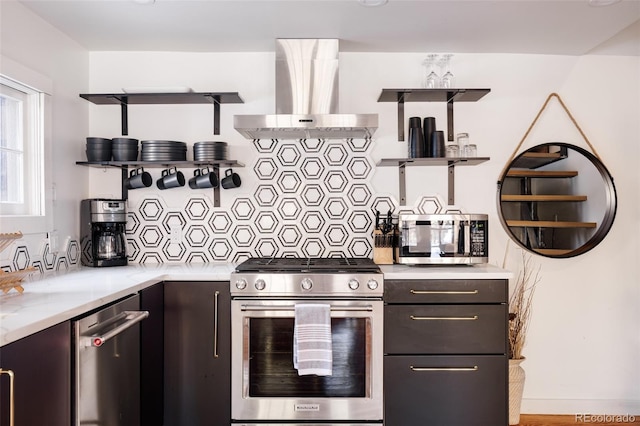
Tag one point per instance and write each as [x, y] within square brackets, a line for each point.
[152, 356]
[445, 344]
[197, 355]
[41, 364]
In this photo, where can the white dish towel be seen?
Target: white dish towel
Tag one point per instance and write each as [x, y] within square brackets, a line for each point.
[312, 352]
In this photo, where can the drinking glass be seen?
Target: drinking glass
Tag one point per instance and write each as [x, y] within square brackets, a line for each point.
[447, 77]
[432, 79]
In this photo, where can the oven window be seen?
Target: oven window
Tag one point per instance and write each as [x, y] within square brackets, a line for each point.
[271, 372]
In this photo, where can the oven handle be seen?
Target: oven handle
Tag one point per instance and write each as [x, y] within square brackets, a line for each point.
[364, 308]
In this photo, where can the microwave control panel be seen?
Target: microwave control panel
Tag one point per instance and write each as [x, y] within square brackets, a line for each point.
[479, 238]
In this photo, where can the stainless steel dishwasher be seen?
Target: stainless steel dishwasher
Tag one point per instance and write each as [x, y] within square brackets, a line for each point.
[107, 365]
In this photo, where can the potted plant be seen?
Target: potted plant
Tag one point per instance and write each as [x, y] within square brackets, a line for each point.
[520, 303]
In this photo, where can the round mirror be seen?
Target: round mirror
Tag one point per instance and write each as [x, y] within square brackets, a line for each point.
[557, 200]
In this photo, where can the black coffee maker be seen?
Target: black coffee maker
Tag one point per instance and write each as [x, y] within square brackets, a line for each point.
[102, 232]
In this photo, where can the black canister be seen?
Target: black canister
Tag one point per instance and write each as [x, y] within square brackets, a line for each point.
[427, 130]
[416, 145]
[437, 144]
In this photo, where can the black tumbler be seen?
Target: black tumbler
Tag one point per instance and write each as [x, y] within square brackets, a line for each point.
[416, 138]
[437, 144]
[427, 130]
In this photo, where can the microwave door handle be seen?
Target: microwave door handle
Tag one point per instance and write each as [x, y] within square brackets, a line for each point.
[461, 238]
[467, 239]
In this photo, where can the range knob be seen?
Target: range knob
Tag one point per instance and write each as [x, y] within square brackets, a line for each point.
[260, 284]
[372, 284]
[354, 284]
[306, 284]
[241, 284]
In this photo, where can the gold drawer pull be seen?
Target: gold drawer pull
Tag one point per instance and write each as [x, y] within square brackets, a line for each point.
[443, 291]
[473, 318]
[474, 368]
[11, 403]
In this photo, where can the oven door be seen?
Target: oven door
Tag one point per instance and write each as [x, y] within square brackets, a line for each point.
[264, 384]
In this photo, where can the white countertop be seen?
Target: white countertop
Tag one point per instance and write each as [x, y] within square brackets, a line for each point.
[51, 299]
[433, 272]
[54, 298]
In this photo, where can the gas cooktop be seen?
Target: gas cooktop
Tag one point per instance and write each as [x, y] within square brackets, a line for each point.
[310, 264]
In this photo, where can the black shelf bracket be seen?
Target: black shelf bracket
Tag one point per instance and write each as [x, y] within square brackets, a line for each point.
[450, 96]
[125, 166]
[450, 162]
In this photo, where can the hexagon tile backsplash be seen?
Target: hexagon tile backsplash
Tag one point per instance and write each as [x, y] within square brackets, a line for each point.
[310, 198]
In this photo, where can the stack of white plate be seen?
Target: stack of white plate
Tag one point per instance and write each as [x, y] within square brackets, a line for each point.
[164, 151]
[210, 151]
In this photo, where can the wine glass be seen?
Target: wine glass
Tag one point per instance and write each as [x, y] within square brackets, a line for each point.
[447, 77]
[432, 80]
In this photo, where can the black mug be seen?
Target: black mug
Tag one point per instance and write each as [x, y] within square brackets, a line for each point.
[230, 179]
[202, 179]
[138, 178]
[171, 178]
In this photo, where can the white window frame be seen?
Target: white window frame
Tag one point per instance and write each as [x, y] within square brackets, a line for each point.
[40, 218]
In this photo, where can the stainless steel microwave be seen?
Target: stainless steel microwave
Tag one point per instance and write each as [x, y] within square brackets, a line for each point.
[442, 239]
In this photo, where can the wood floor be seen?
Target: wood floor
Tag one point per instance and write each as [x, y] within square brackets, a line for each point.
[552, 420]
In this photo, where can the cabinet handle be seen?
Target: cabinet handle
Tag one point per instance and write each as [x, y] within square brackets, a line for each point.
[473, 318]
[443, 291]
[474, 368]
[11, 404]
[215, 324]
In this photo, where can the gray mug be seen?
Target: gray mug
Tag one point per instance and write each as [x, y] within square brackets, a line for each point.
[203, 179]
[230, 180]
[171, 178]
[138, 178]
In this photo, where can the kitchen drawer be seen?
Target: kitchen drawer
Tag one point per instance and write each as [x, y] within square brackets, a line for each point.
[445, 390]
[445, 329]
[446, 291]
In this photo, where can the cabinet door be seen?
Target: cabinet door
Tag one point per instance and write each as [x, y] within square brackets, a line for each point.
[445, 390]
[41, 364]
[445, 329]
[197, 353]
[152, 356]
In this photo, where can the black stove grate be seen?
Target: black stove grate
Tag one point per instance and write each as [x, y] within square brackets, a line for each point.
[311, 264]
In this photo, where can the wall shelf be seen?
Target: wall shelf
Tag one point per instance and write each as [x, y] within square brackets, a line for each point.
[125, 99]
[125, 166]
[450, 96]
[450, 162]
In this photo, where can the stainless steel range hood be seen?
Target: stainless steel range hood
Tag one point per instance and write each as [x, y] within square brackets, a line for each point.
[306, 97]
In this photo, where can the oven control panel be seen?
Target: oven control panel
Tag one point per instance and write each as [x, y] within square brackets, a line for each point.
[334, 284]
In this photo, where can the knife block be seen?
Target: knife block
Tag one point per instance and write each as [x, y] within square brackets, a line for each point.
[383, 247]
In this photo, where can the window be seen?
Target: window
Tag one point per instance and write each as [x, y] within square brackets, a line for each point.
[21, 149]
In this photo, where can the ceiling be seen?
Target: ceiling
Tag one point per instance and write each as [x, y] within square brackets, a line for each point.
[562, 27]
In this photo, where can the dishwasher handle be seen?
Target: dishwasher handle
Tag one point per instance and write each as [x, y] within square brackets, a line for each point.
[131, 317]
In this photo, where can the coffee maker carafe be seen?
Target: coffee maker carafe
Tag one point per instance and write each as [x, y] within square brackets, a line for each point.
[102, 232]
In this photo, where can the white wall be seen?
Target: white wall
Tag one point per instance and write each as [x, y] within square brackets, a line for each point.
[584, 342]
[36, 45]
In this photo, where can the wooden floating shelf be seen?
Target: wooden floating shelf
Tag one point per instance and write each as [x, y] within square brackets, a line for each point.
[543, 198]
[527, 173]
[553, 252]
[549, 224]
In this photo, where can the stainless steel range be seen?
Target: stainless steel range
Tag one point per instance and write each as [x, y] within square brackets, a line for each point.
[265, 386]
